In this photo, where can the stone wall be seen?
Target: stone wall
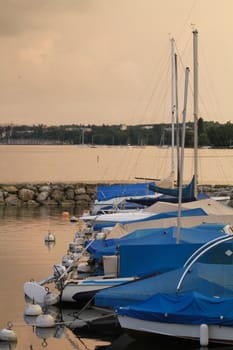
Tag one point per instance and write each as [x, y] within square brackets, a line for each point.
[56, 194]
[69, 195]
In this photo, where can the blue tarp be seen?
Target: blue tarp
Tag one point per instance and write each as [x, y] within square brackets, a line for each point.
[151, 237]
[184, 213]
[187, 308]
[206, 298]
[142, 289]
[187, 191]
[123, 190]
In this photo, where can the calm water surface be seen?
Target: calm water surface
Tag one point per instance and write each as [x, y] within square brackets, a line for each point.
[24, 255]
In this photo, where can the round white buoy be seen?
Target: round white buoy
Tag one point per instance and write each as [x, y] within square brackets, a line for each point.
[67, 260]
[204, 335]
[49, 237]
[45, 321]
[33, 310]
[44, 333]
[73, 219]
[51, 298]
[83, 267]
[7, 334]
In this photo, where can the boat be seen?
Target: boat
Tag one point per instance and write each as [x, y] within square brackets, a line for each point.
[112, 262]
[115, 197]
[193, 302]
[99, 222]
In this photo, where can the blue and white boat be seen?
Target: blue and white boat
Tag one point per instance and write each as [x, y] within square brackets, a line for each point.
[193, 302]
[121, 197]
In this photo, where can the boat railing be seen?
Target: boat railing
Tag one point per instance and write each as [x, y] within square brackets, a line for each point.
[209, 246]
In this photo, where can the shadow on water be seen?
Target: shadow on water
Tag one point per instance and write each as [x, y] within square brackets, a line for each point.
[128, 342]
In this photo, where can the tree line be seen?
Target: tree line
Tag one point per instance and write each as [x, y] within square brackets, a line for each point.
[210, 134]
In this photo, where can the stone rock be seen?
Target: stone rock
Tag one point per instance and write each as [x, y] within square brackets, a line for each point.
[80, 190]
[83, 197]
[70, 194]
[26, 194]
[1, 195]
[57, 195]
[91, 190]
[45, 188]
[13, 200]
[42, 196]
[10, 189]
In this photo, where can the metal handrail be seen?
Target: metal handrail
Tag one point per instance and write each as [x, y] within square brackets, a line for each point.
[214, 243]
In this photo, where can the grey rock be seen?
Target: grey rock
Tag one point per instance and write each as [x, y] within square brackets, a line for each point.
[80, 190]
[10, 189]
[45, 188]
[42, 196]
[26, 194]
[70, 194]
[13, 200]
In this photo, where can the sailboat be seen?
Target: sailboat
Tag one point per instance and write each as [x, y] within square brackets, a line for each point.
[193, 302]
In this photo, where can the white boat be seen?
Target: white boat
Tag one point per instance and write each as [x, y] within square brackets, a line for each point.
[78, 291]
[82, 291]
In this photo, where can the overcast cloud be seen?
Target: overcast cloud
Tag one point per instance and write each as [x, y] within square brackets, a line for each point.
[107, 61]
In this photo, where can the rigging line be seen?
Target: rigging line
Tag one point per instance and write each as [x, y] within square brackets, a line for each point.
[181, 54]
[162, 97]
[188, 16]
[210, 79]
[160, 63]
[152, 95]
[157, 85]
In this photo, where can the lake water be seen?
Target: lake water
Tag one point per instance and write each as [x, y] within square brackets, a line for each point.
[20, 164]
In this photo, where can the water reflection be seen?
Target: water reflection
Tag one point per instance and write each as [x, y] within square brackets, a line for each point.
[7, 346]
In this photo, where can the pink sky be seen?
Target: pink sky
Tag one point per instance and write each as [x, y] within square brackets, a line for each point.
[107, 61]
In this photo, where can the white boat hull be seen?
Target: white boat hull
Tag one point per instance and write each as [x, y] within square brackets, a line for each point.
[215, 333]
[83, 290]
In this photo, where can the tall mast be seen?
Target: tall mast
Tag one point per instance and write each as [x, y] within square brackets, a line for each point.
[172, 106]
[182, 155]
[195, 89]
[177, 124]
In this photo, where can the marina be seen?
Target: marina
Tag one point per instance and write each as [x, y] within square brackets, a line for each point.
[22, 237]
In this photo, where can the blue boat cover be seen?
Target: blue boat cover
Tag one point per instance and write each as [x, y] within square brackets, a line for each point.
[187, 308]
[210, 270]
[187, 191]
[107, 192]
[207, 299]
[152, 236]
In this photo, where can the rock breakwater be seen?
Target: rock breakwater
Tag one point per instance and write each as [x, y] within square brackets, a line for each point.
[70, 195]
[49, 194]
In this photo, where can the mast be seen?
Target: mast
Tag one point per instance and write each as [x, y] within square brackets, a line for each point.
[177, 124]
[172, 106]
[182, 155]
[195, 89]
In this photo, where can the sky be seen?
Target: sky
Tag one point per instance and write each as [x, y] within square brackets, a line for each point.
[108, 61]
